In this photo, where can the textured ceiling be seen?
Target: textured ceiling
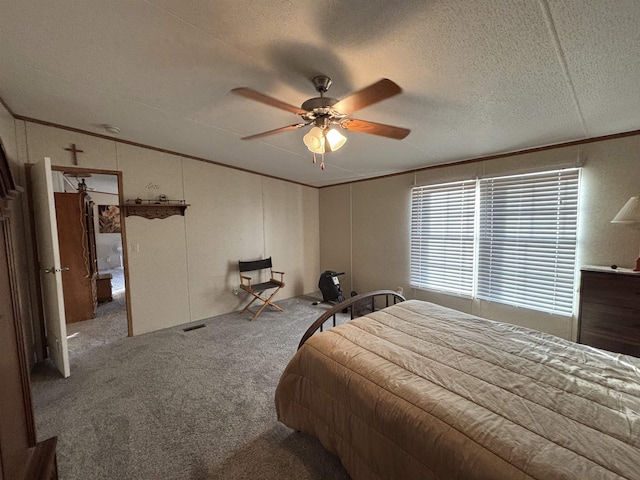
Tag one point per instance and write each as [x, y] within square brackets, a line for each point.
[480, 77]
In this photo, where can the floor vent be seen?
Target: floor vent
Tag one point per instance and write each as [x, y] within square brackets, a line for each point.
[194, 327]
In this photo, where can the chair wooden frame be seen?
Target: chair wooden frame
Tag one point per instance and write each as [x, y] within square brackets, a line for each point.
[258, 289]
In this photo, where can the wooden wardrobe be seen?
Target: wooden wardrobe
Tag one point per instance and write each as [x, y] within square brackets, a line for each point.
[76, 236]
[21, 456]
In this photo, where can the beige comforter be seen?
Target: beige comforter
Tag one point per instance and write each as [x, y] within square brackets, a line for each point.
[421, 391]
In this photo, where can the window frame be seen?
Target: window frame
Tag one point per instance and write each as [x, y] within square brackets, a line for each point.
[567, 190]
[454, 257]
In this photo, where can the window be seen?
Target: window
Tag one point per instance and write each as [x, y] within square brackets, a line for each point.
[442, 237]
[526, 230]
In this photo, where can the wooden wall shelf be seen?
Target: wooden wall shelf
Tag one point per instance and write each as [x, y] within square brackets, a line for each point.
[154, 209]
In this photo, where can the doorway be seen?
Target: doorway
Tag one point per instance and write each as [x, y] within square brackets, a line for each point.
[112, 319]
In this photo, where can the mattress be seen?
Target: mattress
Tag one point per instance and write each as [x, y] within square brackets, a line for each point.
[419, 391]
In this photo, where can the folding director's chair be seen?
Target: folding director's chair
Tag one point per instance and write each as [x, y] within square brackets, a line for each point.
[258, 289]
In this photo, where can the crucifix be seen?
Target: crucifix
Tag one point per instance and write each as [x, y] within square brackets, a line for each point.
[74, 151]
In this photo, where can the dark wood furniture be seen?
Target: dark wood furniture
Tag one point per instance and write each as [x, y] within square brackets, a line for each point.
[21, 457]
[103, 287]
[76, 236]
[610, 309]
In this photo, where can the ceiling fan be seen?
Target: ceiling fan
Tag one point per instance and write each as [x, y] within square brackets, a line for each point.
[328, 115]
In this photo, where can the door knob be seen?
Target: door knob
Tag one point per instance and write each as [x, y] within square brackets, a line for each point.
[54, 269]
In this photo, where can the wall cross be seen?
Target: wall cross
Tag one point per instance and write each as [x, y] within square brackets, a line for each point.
[74, 151]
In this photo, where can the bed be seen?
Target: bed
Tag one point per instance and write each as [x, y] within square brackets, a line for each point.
[419, 391]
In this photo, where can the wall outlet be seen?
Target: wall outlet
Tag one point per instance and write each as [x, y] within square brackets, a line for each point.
[235, 291]
[400, 291]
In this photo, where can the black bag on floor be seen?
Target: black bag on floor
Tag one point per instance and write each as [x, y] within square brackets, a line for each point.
[329, 285]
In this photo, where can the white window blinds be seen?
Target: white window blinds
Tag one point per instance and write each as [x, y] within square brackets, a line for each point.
[442, 237]
[527, 240]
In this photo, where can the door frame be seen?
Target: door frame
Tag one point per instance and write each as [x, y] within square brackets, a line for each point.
[125, 253]
[123, 225]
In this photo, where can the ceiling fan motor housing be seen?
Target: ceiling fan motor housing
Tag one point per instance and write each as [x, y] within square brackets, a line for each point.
[319, 109]
[318, 106]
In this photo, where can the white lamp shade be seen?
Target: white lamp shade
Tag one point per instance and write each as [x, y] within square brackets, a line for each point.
[314, 140]
[335, 139]
[630, 213]
[320, 149]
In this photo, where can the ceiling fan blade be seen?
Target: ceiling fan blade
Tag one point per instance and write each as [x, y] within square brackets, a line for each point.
[260, 97]
[373, 128]
[374, 93]
[277, 130]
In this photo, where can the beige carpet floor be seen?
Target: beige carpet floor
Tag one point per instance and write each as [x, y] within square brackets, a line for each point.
[178, 404]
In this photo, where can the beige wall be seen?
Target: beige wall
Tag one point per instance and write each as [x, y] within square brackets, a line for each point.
[184, 269]
[364, 226]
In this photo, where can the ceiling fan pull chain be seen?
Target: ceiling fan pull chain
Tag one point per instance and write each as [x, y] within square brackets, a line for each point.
[322, 164]
[314, 157]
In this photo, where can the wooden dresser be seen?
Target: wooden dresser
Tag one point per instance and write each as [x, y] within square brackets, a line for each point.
[103, 287]
[610, 309]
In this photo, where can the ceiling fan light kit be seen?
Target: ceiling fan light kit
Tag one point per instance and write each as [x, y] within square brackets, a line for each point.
[319, 140]
[314, 140]
[326, 114]
[334, 139]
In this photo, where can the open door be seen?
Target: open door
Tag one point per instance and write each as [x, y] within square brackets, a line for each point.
[49, 264]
